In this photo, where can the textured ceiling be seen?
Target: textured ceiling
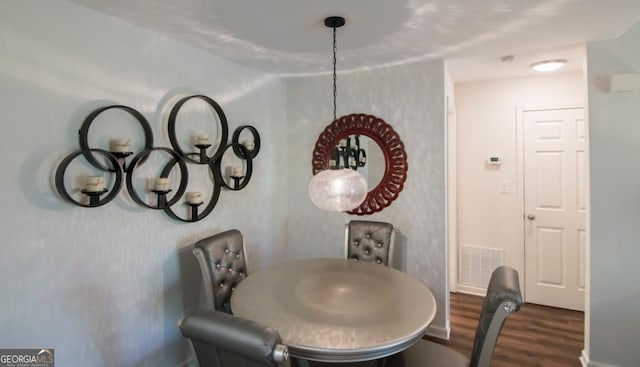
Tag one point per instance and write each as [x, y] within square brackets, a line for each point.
[288, 36]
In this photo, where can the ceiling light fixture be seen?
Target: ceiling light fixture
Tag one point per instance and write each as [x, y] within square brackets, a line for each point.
[337, 189]
[548, 65]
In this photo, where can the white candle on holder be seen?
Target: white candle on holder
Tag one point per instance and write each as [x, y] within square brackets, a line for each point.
[201, 139]
[194, 197]
[94, 184]
[342, 143]
[119, 145]
[249, 144]
[236, 171]
[161, 184]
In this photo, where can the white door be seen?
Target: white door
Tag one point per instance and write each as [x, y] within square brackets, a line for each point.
[555, 206]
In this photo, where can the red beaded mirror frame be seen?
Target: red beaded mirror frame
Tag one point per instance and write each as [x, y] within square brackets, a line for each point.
[395, 172]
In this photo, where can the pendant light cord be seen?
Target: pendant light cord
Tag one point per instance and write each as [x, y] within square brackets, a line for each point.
[335, 90]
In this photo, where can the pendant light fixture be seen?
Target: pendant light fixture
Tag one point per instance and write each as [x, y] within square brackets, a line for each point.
[337, 189]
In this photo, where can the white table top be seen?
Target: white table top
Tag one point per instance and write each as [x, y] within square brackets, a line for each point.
[336, 309]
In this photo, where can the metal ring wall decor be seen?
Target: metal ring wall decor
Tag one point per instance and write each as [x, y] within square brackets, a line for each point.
[94, 196]
[236, 143]
[240, 182]
[84, 132]
[196, 215]
[116, 163]
[162, 195]
[395, 173]
[172, 129]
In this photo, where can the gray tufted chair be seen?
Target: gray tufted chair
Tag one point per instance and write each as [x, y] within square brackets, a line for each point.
[223, 265]
[223, 340]
[370, 241]
[503, 297]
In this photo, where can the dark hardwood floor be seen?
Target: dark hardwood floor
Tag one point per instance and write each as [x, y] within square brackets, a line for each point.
[534, 336]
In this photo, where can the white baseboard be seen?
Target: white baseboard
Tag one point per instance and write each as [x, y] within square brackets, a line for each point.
[598, 364]
[468, 289]
[584, 358]
[438, 332]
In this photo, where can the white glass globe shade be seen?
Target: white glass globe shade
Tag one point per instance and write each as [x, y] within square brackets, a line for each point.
[338, 190]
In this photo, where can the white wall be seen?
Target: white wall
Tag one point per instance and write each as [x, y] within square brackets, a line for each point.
[486, 119]
[106, 286]
[411, 99]
[614, 128]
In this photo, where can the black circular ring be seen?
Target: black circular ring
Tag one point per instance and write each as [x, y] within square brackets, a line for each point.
[244, 154]
[117, 170]
[215, 194]
[184, 177]
[172, 128]
[84, 132]
[236, 144]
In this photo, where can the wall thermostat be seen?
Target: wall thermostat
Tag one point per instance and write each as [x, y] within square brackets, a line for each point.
[494, 160]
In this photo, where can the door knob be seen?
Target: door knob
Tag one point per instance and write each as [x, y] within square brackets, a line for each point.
[531, 216]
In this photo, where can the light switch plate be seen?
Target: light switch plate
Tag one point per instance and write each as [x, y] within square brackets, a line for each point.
[505, 187]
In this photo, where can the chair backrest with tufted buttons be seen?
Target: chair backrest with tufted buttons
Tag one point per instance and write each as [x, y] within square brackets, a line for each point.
[370, 241]
[223, 265]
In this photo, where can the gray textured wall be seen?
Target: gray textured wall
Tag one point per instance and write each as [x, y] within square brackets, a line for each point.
[106, 286]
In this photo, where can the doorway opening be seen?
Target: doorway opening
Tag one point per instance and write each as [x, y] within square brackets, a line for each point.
[490, 190]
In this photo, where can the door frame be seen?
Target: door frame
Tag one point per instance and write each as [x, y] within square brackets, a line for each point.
[452, 195]
[520, 230]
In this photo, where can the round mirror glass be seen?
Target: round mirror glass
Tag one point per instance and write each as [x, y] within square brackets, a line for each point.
[373, 170]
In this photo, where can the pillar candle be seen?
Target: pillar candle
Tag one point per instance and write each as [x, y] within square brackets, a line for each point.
[161, 184]
[194, 197]
[119, 145]
[94, 184]
[249, 144]
[201, 139]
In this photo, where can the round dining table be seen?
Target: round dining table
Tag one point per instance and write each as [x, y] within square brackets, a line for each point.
[337, 310]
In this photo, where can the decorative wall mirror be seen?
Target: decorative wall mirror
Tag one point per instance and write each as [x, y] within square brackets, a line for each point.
[385, 176]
